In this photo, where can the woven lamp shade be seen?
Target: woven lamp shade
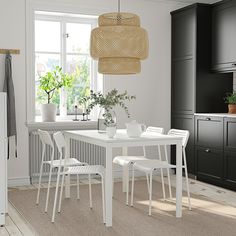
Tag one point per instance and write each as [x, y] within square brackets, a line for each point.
[119, 43]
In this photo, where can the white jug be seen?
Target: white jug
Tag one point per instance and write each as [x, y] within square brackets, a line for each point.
[134, 129]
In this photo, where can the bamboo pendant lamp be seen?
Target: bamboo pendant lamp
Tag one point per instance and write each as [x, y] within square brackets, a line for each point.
[119, 43]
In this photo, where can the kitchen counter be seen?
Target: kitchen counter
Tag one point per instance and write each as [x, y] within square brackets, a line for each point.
[216, 114]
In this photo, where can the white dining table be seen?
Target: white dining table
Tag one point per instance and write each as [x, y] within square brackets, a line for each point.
[122, 140]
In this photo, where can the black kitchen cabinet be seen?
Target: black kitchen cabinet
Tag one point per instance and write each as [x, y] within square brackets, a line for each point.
[209, 165]
[209, 149]
[194, 88]
[185, 122]
[183, 23]
[230, 134]
[229, 169]
[209, 131]
[215, 150]
[223, 36]
[230, 152]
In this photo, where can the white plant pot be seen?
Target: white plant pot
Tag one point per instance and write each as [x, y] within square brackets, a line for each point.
[48, 112]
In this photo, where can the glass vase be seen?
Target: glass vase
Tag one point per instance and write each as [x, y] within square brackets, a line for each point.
[106, 118]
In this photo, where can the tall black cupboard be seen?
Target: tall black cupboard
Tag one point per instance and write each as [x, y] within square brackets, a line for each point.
[194, 87]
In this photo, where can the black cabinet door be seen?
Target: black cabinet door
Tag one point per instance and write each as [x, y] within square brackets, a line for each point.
[183, 86]
[223, 36]
[209, 164]
[183, 33]
[185, 122]
[230, 169]
[230, 134]
[209, 131]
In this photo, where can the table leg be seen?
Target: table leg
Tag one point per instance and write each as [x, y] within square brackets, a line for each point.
[67, 177]
[108, 189]
[179, 179]
[125, 170]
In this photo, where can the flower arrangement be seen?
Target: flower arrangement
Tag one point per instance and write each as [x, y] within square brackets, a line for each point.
[108, 102]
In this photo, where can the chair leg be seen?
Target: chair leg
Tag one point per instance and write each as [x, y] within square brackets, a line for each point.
[56, 193]
[188, 192]
[90, 192]
[61, 192]
[168, 172]
[169, 183]
[150, 196]
[147, 178]
[162, 176]
[39, 186]
[103, 200]
[163, 185]
[127, 187]
[113, 180]
[132, 188]
[78, 197]
[48, 190]
[187, 180]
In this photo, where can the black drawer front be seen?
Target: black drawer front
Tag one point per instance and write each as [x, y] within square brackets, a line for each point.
[230, 134]
[209, 131]
[230, 170]
[209, 163]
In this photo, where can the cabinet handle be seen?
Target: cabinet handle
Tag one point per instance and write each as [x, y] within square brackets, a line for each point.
[233, 64]
[207, 150]
[208, 118]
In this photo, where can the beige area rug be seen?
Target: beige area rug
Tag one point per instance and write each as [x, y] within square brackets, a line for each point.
[76, 219]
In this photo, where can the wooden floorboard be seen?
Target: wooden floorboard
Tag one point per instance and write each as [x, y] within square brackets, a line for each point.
[20, 222]
[3, 231]
[12, 228]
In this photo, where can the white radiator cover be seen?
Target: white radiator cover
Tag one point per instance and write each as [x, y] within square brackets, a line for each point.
[84, 152]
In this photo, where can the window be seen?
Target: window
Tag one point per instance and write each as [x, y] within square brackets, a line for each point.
[63, 40]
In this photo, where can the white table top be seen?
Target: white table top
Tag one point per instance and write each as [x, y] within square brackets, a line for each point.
[121, 136]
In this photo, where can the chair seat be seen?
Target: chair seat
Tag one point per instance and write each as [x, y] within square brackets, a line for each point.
[148, 166]
[89, 169]
[127, 160]
[69, 162]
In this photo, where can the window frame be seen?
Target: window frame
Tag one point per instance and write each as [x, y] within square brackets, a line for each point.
[72, 15]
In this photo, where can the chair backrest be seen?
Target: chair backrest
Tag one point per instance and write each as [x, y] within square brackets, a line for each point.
[60, 141]
[182, 133]
[158, 130]
[45, 138]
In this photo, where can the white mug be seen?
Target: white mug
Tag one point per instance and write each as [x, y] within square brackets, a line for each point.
[111, 131]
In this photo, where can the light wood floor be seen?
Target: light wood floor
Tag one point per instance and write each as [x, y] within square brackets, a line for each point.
[16, 225]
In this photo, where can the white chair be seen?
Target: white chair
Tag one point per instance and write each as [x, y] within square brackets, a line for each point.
[46, 140]
[149, 166]
[76, 170]
[127, 161]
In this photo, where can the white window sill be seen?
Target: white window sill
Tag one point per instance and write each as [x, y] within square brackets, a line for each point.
[62, 125]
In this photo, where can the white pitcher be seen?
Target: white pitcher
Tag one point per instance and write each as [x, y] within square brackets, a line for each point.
[134, 129]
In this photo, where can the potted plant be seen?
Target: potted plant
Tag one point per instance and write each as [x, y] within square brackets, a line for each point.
[230, 99]
[107, 116]
[50, 83]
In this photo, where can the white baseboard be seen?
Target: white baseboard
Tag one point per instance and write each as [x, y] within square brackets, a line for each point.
[18, 181]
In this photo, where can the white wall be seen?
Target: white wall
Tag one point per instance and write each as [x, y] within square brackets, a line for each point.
[151, 86]
[12, 25]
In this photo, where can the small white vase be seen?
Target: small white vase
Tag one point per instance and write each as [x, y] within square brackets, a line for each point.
[48, 112]
[111, 131]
